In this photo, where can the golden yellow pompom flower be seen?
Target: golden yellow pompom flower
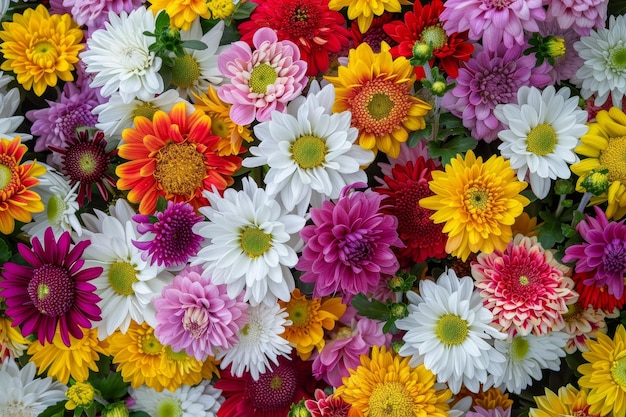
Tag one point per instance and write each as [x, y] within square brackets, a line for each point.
[568, 401]
[182, 13]
[365, 10]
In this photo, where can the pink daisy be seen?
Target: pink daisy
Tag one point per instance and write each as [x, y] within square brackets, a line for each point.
[195, 315]
[579, 15]
[524, 287]
[262, 80]
[168, 237]
[495, 22]
[348, 248]
[603, 251]
[53, 290]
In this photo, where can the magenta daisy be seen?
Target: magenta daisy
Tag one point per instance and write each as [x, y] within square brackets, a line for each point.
[603, 252]
[168, 238]
[525, 288]
[195, 315]
[490, 78]
[262, 80]
[348, 248]
[578, 15]
[53, 290]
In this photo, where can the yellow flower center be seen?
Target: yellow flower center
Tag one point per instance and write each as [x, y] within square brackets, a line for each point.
[45, 54]
[379, 106]
[56, 208]
[220, 128]
[614, 158]
[42, 291]
[309, 151]
[556, 46]
[255, 242]
[541, 140]
[185, 72]
[524, 280]
[519, 349]
[391, 399]
[122, 276]
[180, 168]
[618, 370]
[343, 333]
[221, 9]
[87, 163]
[81, 393]
[6, 176]
[299, 313]
[434, 36]
[262, 76]
[572, 311]
[169, 407]
[150, 345]
[477, 199]
[146, 110]
[451, 329]
[617, 59]
[276, 382]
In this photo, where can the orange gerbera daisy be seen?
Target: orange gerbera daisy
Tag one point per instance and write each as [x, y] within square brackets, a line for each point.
[175, 156]
[17, 201]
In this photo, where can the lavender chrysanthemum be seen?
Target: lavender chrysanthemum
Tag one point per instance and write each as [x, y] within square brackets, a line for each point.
[579, 16]
[349, 246]
[566, 65]
[93, 13]
[197, 315]
[603, 251]
[169, 240]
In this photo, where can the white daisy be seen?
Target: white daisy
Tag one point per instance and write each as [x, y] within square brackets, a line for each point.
[604, 67]
[9, 103]
[59, 199]
[527, 356]
[544, 128]
[311, 154]
[119, 56]
[127, 283]
[259, 342]
[202, 400]
[448, 330]
[247, 244]
[24, 396]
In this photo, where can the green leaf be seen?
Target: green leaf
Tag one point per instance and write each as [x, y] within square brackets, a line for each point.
[57, 410]
[162, 22]
[194, 44]
[112, 387]
[373, 309]
[417, 135]
[244, 10]
[450, 149]
[161, 204]
[138, 414]
[5, 252]
[550, 232]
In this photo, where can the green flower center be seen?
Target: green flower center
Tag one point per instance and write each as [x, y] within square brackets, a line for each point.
[220, 128]
[255, 242]
[614, 159]
[276, 382]
[145, 109]
[56, 208]
[180, 169]
[519, 348]
[6, 175]
[618, 370]
[185, 72]
[262, 76]
[434, 36]
[478, 199]
[51, 289]
[617, 59]
[451, 329]
[87, 163]
[541, 140]
[299, 314]
[45, 54]
[150, 345]
[169, 407]
[379, 106]
[122, 276]
[523, 279]
[309, 151]
[391, 399]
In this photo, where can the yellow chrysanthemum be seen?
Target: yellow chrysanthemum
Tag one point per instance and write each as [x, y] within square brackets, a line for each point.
[492, 399]
[182, 13]
[365, 10]
[75, 361]
[568, 402]
[40, 48]
[178, 369]
[81, 394]
[12, 343]
[232, 134]
[386, 386]
[525, 225]
[604, 147]
[376, 89]
[605, 374]
[309, 319]
[478, 202]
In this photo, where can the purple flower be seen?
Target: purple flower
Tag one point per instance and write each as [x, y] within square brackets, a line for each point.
[579, 15]
[348, 247]
[198, 316]
[169, 240]
[566, 65]
[493, 412]
[491, 78]
[603, 252]
[92, 13]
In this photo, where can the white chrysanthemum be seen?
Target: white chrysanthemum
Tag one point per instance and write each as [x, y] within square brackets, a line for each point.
[311, 154]
[604, 67]
[448, 330]
[247, 244]
[260, 343]
[114, 116]
[127, 284]
[59, 199]
[544, 128]
[24, 396]
[202, 400]
[119, 56]
[526, 357]
[9, 103]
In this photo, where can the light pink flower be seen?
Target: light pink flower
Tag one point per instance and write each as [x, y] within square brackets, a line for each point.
[579, 15]
[566, 65]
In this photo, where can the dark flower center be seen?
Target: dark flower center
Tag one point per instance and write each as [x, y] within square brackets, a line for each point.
[86, 162]
[355, 247]
[174, 237]
[275, 390]
[614, 258]
[51, 290]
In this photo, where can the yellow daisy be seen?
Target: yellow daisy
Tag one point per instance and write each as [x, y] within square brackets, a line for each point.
[605, 374]
[182, 13]
[478, 202]
[12, 343]
[604, 147]
[40, 48]
[365, 10]
[309, 319]
[75, 361]
[376, 89]
[179, 369]
[569, 401]
[385, 385]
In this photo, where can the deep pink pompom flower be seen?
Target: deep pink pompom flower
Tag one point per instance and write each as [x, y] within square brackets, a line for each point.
[349, 246]
[53, 290]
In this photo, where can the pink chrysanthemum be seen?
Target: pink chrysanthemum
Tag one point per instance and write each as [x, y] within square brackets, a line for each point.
[196, 315]
[489, 412]
[603, 251]
[578, 15]
[53, 290]
[495, 22]
[262, 80]
[327, 406]
[525, 288]
[488, 79]
[349, 247]
[93, 13]
[168, 238]
[582, 324]
[566, 65]
[56, 124]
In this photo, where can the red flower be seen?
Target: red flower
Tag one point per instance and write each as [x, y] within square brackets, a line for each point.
[598, 297]
[375, 34]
